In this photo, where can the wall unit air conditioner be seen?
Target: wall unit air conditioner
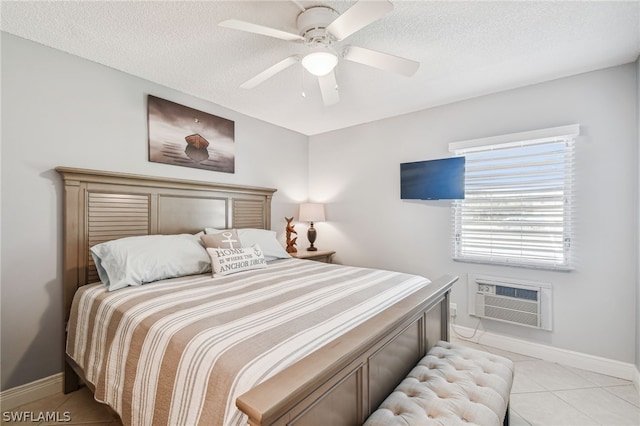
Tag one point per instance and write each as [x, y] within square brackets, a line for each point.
[525, 303]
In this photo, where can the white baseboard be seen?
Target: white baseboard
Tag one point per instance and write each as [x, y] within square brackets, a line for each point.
[29, 392]
[596, 364]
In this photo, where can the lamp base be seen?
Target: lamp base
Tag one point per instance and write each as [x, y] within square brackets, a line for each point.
[311, 236]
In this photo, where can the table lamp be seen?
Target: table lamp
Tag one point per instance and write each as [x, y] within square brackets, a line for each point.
[311, 212]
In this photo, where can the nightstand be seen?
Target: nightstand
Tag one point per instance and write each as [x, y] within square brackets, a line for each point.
[319, 255]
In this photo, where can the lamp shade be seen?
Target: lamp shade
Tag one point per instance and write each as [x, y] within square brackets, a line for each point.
[311, 212]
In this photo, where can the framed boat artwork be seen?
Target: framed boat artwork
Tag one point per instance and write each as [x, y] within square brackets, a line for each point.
[184, 136]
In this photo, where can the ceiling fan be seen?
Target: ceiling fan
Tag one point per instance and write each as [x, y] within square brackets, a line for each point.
[320, 28]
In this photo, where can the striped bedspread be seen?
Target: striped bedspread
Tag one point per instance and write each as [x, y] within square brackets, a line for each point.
[180, 351]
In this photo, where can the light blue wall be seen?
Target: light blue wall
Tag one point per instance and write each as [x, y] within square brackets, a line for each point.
[61, 110]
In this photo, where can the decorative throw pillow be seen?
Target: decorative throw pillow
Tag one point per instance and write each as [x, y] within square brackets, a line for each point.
[266, 239]
[227, 238]
[230, 261]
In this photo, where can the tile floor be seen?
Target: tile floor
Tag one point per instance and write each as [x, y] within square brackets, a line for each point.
[79, 406]
[549, 394]
[543, 393]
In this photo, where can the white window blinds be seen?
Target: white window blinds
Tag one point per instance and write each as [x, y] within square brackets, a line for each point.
[518, 200]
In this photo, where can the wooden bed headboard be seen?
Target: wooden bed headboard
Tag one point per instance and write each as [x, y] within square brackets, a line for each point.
[101, 206]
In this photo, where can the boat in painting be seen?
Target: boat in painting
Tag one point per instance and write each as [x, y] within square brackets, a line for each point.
[197, 141]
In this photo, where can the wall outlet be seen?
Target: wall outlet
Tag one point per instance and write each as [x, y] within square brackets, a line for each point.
[453, 310]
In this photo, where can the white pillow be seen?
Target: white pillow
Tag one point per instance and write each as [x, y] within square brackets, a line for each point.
[227, 261]
[144, 259]
[266, 239]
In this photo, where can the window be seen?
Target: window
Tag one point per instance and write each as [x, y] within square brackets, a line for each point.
[518, 199]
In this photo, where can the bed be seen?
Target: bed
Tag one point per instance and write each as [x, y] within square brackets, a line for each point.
[338, 374]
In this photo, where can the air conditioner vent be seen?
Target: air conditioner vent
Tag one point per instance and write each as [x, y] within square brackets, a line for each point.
[518, 293]
[513, 304]
[516, 317]
[509, 300]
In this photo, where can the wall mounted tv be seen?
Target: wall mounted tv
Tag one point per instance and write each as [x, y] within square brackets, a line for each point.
[441, 179]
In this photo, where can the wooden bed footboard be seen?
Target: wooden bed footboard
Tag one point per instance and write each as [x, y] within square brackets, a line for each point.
[343, 383]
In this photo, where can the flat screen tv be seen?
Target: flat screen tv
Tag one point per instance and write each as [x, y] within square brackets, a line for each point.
[441, 179]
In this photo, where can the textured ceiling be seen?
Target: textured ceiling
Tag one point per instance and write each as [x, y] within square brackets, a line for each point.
[466, 49]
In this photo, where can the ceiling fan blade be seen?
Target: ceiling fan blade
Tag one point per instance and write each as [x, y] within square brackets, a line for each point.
[299, 5]
[270, 72]
[329, 89]
[358, 16]
[382, 61]
[259, 29]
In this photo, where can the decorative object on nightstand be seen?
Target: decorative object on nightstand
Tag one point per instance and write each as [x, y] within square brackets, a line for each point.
[291, 243]
[311, 212]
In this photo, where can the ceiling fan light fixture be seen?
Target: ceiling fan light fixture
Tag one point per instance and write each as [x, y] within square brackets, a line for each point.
[320, 63]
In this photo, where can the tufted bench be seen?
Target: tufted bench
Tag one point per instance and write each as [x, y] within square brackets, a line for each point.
[451, 385]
